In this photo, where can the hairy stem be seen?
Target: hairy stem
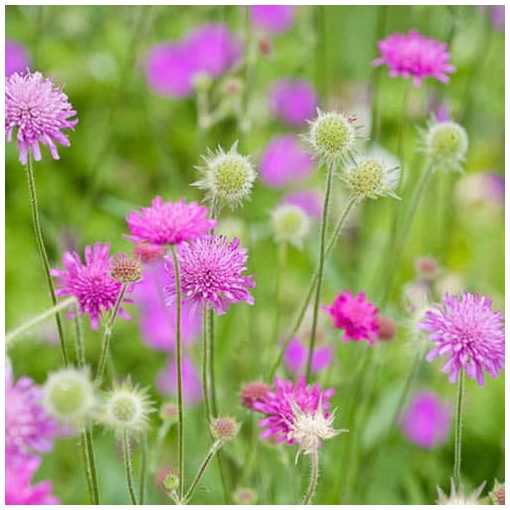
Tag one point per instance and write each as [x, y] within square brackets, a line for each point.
[90, 462]
[459, 407]
[205, 368]
[143, 470]
[80, 350]
[314, 478]
[128, 467]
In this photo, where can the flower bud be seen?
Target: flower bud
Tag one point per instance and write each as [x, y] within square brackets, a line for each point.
[148, 252]
[427, 267]
[245, 496]
[446, 144]
[126, 269]
[290, 224]
[386, 327]
[253, 392]
[224, 428]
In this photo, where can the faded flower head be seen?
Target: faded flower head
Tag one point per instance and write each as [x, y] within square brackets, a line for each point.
[36, 111]
[252, 392]
[370, 178]
[224, 428]
[413, 55]
[126, 269]
[211, 273]
[16, 58]
[272, 18]
[91, 283]
[168, 222]
[293, 101]
[226, 177]
[290, 224]
[445, 144]
[457, 495]
[355, 315]
[469, 333]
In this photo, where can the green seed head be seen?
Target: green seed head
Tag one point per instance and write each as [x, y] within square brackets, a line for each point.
[446, 144]
[290, 224]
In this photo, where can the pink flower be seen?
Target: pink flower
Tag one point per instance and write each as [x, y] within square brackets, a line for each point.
[211, 273]
[427, 420]
[90, 282]
[415, 55]
[272, 18]
[169, 222]
[18, 483]
[296, 355]
[191, 384]
[309, 201]
[355, 315]
[469, 333]
[293, 101]
[39, 112]
[16, 58]
[284, 161]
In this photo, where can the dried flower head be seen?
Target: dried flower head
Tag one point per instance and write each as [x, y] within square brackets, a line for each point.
[445, 144]
[126, 269]
[38, 111]
[252, 392]
[226, 177]
[290, 224]
[457, 495]
[224, 428]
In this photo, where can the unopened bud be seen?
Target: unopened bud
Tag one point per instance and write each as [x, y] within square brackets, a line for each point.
[224, 428]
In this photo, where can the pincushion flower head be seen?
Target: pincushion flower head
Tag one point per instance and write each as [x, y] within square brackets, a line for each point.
[469, 333]
[355, 315]
[296, 354]
[36, 111]
[226, 177]
[212, 273]
[16, 58]
[168, 222]
[272, 18]
[414, 56]
[293, 101]
[91, 282]
[297, 413]
[458, 495]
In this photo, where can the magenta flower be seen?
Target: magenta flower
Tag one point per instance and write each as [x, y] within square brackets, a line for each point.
[90, 282]
[469, 333]
[38, 111]
[18, 483]
[16, 58]
[426, 421]
[272, 18]
[284, 161]
[169, 222]
[211, 273]
[191, 384]
[416, 56]
[293, 101]
[309, 201]
[355, 315]
[296, 355]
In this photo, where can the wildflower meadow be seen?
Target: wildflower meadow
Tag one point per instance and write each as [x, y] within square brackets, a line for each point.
[254, 255]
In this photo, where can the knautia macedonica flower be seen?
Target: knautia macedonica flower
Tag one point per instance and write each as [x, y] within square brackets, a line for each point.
[458, 496]
[297, 413]
[445, 145]
[296, 354]
[211, 273]
[370, 178]
[252, 392]
[332, 136]
[355, 315]
[147, 252]
[290, 224]
[469, 333]
[293, 101]
[224, 428]
[226, 177]
[272, 18]
[127, 408]
[16, 58]
[69, 396]
[415, 56]
[36, 111]
[168, 222]
[91, 283]
[191, 383]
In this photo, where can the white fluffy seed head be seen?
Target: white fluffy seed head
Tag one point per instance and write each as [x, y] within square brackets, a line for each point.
[290, 224]
[458, 496]
[446, 145]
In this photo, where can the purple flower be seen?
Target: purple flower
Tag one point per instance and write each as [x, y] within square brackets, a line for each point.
[497, 13]
[272, 18]
[284, 161]
[296, 355]
[211, 273]
[90, 282]
[18, 483]
[469, 333]
[157, 319]
[355, 315]
[309, 201]
[416, 56]
[293, 101]
[39, 112]
[426, 421]
[16, 58]
[191, 384]
[169, 222]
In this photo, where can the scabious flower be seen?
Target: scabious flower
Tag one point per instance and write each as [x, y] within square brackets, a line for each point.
[297, 413]
[296, 354]
[16, 58]
[18, 483]
[284, 161]
[211, 273]
[457, 495]
[126, 269]
[224, 428]
[426, 421]
[293, 101]
[252, 392]
[290, 224]
[147, 252]
[91, 283]
[469, 333]
[36, 111]
[413, 55]
[168, 222]
[272, 18]
[191, 384]
[355, 315]
[309, 201]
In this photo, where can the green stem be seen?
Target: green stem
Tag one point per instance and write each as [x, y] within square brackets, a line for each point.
[322, 250]
[143, 470]
[128, 467]
[36, 222]
[90, 462]
[105, 345]
[314, 478]
[280, 264]
[212, 371]
[205, 368]
[459, 407]
[80, 351]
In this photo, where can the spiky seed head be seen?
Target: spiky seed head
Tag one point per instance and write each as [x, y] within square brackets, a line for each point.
[224, 428]
[290, 224]
[370, 178]
[457, 495]
[245, 496]
[226, 177]
[69, 396]
[446, 144]
[126, 269]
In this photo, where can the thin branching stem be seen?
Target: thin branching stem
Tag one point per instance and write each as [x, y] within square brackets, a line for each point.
[459, 408]
[143, 470]
[205, 368]
[128, 465]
